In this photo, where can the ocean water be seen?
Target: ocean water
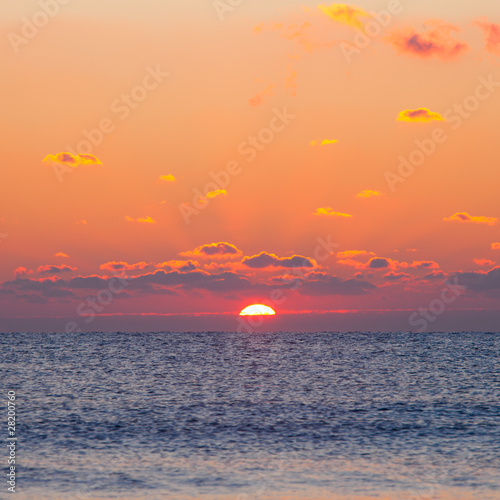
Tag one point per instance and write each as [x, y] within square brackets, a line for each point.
[261, 416]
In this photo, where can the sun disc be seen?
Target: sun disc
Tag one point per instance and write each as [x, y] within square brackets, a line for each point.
[257, 310]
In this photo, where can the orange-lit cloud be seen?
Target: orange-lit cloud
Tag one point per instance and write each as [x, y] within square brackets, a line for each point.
[436, 41]
[465, 217]
[142, 220]
[82, 222]
[265, 259]
[491, 35]
[345, 14]
[166, 178]
[368, 193]
[495, 246]
[218, 192]
[180, 265]
[419, 115]
[123, 266]
[484, 262]
[324, 142]
[258, 98]
[330, 212]
[221, 249]
[53, 269]
[374, 263]
[61, 254]
[22, 271]
[73, 161]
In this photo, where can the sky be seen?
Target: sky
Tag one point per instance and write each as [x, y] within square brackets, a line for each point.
[166, 164]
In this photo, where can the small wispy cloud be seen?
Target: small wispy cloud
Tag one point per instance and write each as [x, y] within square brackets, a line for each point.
[465, 217]
[330, 212]
[437, 41]
[166, 178]
[324, 142]
[491, 35]
[422, 115]
[368, 193]
[73, 161]
[349, 15]
[141, 220]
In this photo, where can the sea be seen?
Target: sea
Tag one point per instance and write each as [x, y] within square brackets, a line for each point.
[285, 415]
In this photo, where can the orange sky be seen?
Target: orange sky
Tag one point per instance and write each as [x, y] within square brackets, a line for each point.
[213, 151]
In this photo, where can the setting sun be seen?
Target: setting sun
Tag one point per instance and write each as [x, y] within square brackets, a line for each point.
[257, 310]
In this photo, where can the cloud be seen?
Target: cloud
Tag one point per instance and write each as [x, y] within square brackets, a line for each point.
[258, 98]
[218, 192]
[436, 41]
[53, 269]
[221, 249]
[480, 280]
[368, 193]
[181, 265]
[483, 262]
[392, 276]
[350, 258]
[331, 285]
[61, 254]
[423, 264]
[422, 115]
[378, 263]
[82, 222]
[123, 266]
[166, 178]
[324, 142]
[330, 212]
[265, 259]
[491, 35]
[345, 14]
[465, 217]
[434, 275]
[495, 246]
[22, 271]
[73, 161]
[142, 220]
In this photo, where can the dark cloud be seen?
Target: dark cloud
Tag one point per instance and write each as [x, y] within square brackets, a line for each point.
[392, 276]
[480, 281]
[378, 263]
[335, 286]
[54, 269]
[265, 259]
